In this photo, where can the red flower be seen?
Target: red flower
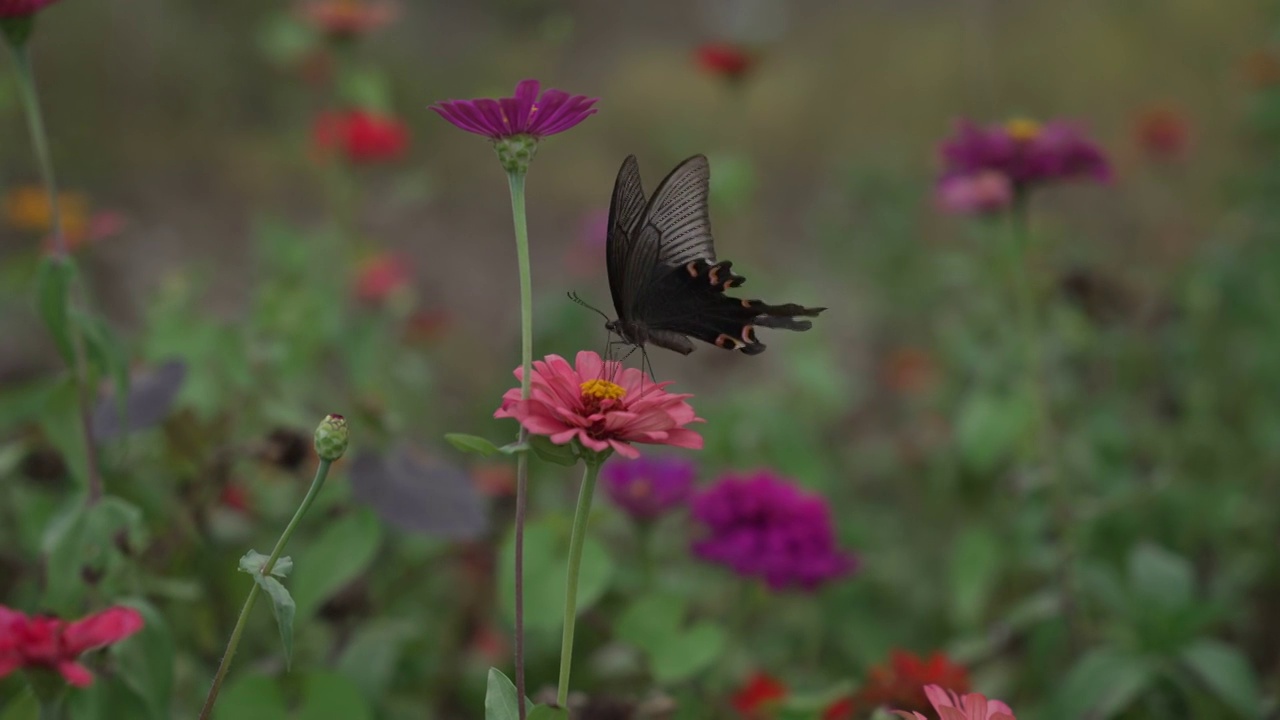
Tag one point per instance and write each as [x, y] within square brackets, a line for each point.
[53, 644]
[951, 706]
[345, 19]
[380, 277]
[841, 709]
[568, 402]
[1162, 132]
[900, 683]
[361, 136]
[759, 696]
[21, 8]
[723, 59]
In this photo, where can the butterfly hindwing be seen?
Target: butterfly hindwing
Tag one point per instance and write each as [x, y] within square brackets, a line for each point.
[679, 211]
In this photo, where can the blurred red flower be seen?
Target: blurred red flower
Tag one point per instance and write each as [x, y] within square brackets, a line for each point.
[54, 644]
[361, 136]
[1162, 132]
[380, 277]
[724, 60]
[757, 699]
[900, 682]
[1261, 69]
[20, 8]
[908, 370]
[346, 19]
[235, 498]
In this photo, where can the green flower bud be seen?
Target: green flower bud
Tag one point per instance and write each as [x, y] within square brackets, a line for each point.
[516, 152]
[331, 438]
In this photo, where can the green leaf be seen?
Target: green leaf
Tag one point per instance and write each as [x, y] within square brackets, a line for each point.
[106, 356]
[682, 655]
[990, 428]
[975, 567]
[546, 712]
[23, 707]
[1227, 674]
[282, 606]
[53, 288]
[147, 660]
[552, 453]
[371, 658]
[342, 552]
[1160, 577]
[500, 698]
[253, 562]
[89, 538]
[108, 698]
[251, 696]
[60, 422]
[546, 549]
[330, 696]
[651, 618]
[1102, 684]
[472, 444]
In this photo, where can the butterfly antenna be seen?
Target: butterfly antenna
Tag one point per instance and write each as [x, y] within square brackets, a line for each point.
[646, 362]
[574, 297]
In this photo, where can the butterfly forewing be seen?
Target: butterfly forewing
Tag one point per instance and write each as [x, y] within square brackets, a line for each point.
[625, 209]
[678, 211]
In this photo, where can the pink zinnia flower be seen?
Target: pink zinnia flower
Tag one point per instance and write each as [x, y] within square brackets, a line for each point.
[953, 707]
[1026, 152]
[569, 402]
[985, 192]
[526, 113]
[53, 644]
[20, 8]
[360, 135]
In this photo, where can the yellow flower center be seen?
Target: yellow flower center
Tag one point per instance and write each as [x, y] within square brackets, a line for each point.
[640, 489]
[1022, 128]
[602, 390]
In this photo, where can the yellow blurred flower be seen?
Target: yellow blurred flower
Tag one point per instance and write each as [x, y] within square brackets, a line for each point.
[27, 208]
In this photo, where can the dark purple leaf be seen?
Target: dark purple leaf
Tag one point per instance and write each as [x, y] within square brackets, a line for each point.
[151, 397]
[418, 494]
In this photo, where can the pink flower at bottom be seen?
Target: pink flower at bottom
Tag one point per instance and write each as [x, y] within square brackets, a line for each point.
[602, 405]
[54, 644]
[951, 706]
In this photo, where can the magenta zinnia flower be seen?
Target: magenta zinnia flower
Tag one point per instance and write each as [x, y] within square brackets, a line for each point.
[53, 644]
[951, 706]
[1024, 151]
[581, 402]
[649, 487]
[20, 8]
[764, 526]
[524, 114]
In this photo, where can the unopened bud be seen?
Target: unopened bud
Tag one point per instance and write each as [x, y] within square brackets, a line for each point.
[331, 438]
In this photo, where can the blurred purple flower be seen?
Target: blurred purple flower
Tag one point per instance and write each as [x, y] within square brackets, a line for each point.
[1024, 151]
[651, 486]
[524, 114]
[21, 8]
[765, 527]
[983, 192]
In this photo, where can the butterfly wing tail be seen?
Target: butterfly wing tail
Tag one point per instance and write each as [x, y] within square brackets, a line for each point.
[782, 317]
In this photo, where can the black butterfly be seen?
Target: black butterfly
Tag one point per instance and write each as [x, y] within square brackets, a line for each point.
[663, 274]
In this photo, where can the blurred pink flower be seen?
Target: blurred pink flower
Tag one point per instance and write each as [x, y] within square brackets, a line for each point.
[54, 644]
[381, 276]
[526, 113]
[951, 706]
[724, 59]
[20, 8]
[988, 191]
[362, 136]
[585, 255]
[578, 401]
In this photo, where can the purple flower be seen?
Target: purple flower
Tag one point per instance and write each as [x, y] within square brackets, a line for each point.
[765, 527]
[525, 114]
[1024, 151]
[983, 192]
[649, 487]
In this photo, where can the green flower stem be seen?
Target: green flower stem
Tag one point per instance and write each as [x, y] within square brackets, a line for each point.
[515, 182]
[44, 160]
[576, 542]
[322, 472]
[50, 691]
[1037, 382]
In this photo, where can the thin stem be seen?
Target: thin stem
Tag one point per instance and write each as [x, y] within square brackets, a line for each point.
[515, 183]
[322, 472]
[576, 541]
[44, 160]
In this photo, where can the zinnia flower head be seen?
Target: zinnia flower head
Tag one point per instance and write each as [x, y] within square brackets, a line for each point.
[1162, 132]
[724, 59]
[580, 402]
[361, 136]
[765, 527]
[348, 19]
[22, 8]
[1026, 152]
[951, 706]
[53, 644]
[516, 124]
[900, 682]
[649, 487]
[758, 696]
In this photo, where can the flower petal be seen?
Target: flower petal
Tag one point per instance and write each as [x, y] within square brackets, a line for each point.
[109, 626]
